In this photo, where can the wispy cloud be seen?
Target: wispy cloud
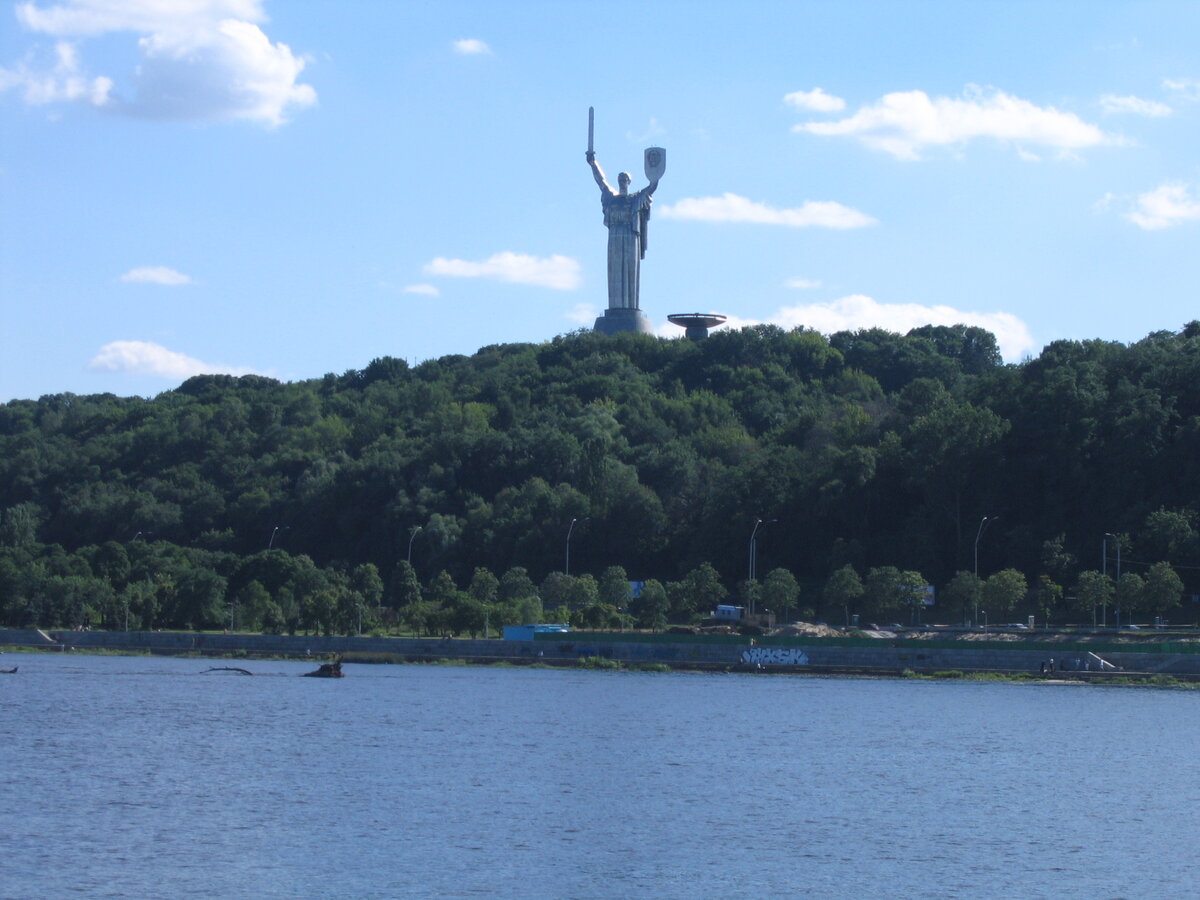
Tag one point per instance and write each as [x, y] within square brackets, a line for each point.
[905, 124]
[200, 60]
[163, 275]
[733, 208]
[429, 290]
[581, 314]
[802, 284]
[1170, 204]
[1186, 88]
[58, 82]
[1136, 106]
[144, 358]
[558, 272]
[471, 47]
[815, 100]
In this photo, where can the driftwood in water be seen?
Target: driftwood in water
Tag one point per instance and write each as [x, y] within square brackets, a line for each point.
[228, 669]
[327, 670]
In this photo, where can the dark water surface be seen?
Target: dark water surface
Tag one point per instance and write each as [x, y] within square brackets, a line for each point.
[130, 777]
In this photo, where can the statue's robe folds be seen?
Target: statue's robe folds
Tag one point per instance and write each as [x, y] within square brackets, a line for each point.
[625, 215]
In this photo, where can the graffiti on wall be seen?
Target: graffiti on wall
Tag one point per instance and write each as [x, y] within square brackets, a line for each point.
[775, 656]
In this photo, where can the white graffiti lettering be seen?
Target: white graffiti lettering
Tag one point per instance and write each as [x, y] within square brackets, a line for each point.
[775, 656]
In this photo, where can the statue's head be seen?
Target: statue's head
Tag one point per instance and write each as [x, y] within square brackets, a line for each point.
[623, 182]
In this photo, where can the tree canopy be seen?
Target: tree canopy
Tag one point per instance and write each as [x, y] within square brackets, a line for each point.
[868, 449]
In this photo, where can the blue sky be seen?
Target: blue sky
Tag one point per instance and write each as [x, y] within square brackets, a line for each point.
[297, 188]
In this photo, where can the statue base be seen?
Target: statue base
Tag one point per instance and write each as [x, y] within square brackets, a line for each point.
[621, 319]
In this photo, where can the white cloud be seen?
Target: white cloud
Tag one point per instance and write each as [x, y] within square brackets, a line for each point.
[61, 82]
[200, 59]
[1168, 204]
[1187, 88]
[1111, 103]
[428, 290]
[582, 314]
[857, 311]
[471, 47]
[163, 275]
[816, 100]
[558, 272]
[906, 123]
[732, 208]
[143, 358]
[802, 284]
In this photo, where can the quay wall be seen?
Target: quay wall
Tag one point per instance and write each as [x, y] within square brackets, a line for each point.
[681, 651]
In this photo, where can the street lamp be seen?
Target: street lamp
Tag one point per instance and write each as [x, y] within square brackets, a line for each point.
[1107, 535]
[753, 574]
[567, 561]
[275, 531]
[978, 534]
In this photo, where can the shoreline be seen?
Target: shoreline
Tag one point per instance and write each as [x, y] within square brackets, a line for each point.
[600, 663]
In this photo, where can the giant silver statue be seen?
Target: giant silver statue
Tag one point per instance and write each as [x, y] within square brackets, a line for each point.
[626, 215]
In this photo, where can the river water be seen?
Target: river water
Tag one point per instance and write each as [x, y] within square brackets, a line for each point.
[133, 777]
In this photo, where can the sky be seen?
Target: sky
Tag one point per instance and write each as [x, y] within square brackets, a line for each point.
[297, 188]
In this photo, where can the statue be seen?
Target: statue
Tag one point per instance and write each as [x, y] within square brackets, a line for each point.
[626, 215]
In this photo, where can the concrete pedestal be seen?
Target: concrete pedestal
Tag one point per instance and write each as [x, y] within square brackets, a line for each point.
[616, 320]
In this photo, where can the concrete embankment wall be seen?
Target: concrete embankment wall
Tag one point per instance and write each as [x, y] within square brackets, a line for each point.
[675, 650]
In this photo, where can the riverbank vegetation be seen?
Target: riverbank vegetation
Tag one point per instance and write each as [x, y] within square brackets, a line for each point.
[455, 496]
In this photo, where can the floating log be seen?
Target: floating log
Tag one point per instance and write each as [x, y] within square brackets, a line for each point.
[327, 670]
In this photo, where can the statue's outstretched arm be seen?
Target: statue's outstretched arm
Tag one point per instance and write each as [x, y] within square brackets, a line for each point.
[598, 173]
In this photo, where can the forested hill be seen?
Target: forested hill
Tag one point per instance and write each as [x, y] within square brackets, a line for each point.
[868, 449]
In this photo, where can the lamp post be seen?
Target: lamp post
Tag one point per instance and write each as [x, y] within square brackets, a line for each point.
[753, 573]
[412, 534]
[978, 534]
[567, 561]
[1107, 535]
[275, 531]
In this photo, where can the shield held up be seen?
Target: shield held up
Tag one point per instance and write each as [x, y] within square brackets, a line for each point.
[655, 163]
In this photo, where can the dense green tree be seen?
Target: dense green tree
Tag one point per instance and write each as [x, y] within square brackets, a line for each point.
[583, 591]
[1130, 597]
[696, 594]
[484, 587]
[1049, 597]
[1093, 592]
[1003, 590]
[963, 593]
[844, 588]
[887, 589]
[874, 448]
[1168, 534]
[19, 525]
[781, 592]
[199, 598]
[249, 607]
[1163, 589]
[516, 585]
[1058, 562]
[403, 588]
[649, 609]
[614, 587]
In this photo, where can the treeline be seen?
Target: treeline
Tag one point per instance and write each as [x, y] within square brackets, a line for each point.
[894, 460]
